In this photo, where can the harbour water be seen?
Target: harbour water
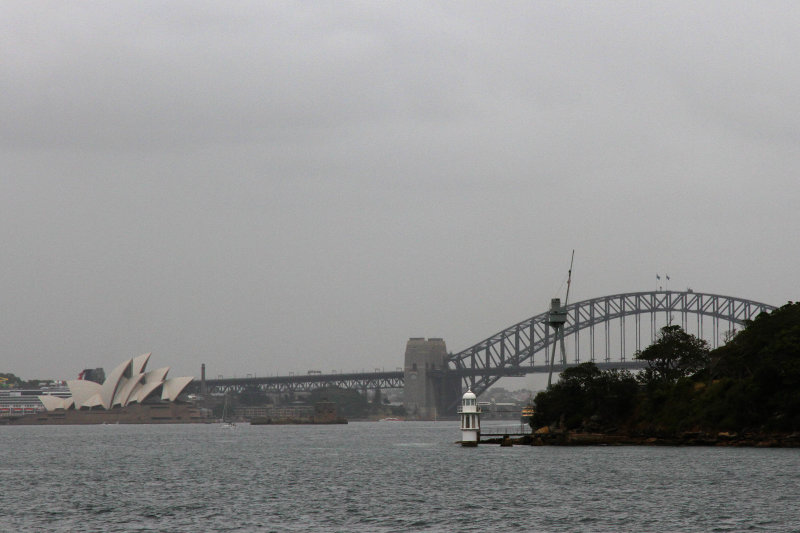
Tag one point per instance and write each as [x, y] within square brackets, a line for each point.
[378, 477]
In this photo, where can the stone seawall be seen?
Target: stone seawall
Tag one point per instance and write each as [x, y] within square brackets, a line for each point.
[167, 413]
[698, 438]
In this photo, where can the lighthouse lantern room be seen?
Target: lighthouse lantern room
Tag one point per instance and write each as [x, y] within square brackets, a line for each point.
[470, 419]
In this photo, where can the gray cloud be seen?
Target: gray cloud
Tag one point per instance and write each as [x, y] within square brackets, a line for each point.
[271, 188]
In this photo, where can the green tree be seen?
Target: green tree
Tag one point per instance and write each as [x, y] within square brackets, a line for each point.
[763, 360]
[584, 393]
[376, 405]
[10, 381]
[349, 403]
[674, 355]
[253, 396]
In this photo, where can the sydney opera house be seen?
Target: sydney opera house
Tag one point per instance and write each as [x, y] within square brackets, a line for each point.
[129, 395]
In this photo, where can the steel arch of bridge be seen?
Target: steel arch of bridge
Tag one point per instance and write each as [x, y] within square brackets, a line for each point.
[514, 348]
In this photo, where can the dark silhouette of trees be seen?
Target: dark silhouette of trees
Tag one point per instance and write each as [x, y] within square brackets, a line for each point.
[586, 395]
[675, 354]
[349, 403]
[757, 373]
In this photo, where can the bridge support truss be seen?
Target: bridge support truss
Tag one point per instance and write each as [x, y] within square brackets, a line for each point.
[304, 383]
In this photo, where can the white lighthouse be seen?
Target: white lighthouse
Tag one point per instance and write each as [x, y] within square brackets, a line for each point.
[470, 419]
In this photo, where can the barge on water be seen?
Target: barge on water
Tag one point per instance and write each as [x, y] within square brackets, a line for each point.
[323, 413]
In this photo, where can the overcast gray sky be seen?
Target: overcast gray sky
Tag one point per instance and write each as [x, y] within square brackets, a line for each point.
[270, 187]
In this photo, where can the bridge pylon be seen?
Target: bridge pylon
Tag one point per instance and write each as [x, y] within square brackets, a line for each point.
[429, 389]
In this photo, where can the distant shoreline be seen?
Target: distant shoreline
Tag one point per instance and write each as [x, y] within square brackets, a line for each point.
[693, 438]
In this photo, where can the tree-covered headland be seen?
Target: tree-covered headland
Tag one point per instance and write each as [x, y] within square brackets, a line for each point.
[751, 385]
[10, 381]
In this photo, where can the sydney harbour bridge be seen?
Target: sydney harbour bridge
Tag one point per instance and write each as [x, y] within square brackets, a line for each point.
[607, 331]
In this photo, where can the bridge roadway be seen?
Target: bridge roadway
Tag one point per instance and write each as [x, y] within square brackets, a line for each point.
[371, 380]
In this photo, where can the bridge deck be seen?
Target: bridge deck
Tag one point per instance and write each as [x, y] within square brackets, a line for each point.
[372, 380]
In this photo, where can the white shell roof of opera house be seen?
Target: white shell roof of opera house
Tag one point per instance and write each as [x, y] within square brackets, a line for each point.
[128, 383]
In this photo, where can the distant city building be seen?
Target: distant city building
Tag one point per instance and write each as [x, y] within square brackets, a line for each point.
[97, 375]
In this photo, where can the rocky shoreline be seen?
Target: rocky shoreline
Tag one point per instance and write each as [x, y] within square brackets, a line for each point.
[689, 438]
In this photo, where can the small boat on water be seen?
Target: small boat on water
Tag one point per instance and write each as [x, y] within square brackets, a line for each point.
[526, 416]
[390, 419]
[227, 423]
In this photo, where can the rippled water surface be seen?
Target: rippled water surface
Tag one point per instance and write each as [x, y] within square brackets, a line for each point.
[379, 476]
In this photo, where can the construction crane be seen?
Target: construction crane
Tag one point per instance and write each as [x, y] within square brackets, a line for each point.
[557, 317]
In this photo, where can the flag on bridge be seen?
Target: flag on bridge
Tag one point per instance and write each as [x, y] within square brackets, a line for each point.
[667, 277]
[658, 277]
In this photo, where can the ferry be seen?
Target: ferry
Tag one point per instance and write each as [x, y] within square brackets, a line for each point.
[526, 417]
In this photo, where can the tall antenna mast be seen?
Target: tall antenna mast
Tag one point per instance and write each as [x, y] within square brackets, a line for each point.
[569, 278]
